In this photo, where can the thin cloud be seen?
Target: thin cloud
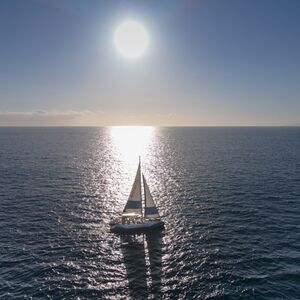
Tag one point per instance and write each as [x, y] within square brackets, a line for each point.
[44, 117]
[71, 113]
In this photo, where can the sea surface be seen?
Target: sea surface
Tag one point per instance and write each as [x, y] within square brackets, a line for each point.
[230, 199]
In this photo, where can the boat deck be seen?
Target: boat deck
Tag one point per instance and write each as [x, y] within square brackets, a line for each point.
[137, 228]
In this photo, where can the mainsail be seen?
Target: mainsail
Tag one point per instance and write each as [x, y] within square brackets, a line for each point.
[151, 211]
[134, 202]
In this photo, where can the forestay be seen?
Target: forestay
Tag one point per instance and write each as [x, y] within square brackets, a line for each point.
[134, 203]
[151, 211]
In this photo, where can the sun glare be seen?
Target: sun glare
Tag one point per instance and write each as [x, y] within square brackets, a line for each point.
[131, 141]
[131, 39]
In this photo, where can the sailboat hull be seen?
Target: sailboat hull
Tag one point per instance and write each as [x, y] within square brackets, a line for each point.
[137, 228]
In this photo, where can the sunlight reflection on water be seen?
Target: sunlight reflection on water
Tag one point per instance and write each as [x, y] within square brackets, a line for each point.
[130, 142]
[112, 158]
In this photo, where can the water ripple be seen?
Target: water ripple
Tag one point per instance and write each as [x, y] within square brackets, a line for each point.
[229, 196]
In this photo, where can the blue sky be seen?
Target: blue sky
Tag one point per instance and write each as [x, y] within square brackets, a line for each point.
[209, 63]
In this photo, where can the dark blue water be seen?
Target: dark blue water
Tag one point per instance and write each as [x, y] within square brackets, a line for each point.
[230, 196]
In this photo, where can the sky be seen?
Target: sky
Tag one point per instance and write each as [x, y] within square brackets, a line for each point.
[209, 63]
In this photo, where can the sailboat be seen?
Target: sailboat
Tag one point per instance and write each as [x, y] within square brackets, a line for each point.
[138, 216]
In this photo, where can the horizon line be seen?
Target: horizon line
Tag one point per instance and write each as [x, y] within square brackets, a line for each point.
[159, 126]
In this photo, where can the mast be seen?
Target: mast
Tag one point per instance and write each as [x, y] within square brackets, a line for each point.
[144, 184]
[142, 216]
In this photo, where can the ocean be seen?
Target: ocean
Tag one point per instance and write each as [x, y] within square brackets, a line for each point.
[230, 199]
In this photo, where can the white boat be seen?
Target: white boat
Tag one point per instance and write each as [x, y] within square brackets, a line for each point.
[138, 216]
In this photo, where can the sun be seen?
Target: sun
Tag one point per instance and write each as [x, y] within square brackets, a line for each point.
[131, 39]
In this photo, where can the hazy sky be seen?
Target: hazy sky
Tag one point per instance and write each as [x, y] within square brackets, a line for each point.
[210, 62]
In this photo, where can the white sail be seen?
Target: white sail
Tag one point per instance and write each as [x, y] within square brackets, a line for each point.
[151, 211]
[134, 202]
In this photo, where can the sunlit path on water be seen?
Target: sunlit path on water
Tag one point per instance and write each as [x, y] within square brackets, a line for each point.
[130, 142]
